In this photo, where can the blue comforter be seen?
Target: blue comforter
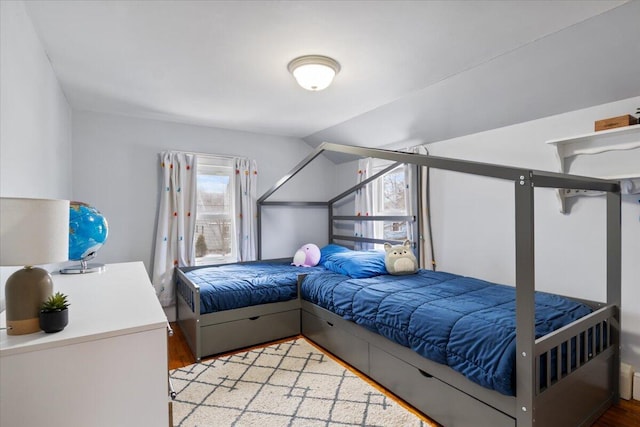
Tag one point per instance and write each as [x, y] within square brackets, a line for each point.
[465, 323]
[232, 286]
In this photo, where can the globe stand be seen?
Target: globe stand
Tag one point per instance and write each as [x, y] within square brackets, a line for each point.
[83, 268]
[88, 231]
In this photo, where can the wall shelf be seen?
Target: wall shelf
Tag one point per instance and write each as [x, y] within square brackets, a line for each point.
[619, 139]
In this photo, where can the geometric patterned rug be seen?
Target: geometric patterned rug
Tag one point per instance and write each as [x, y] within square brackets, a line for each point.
[290, 383]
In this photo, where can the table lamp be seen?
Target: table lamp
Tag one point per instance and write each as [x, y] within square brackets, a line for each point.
[32, 232]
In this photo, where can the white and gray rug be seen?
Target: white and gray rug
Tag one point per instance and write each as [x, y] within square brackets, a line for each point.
[287, 384]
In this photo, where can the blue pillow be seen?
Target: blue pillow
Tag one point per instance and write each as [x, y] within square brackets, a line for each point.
[356, 264]
[331, 249]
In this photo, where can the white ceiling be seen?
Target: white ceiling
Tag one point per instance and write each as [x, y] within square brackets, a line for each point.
[415, 69]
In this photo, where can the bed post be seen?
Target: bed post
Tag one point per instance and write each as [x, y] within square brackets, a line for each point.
[614, 280]
[416, 208]
[259, 229]
[525, 309]
[330, 224]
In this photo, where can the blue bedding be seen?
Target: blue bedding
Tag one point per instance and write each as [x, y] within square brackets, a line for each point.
[232, 286]
[465, 323]
[356, 264]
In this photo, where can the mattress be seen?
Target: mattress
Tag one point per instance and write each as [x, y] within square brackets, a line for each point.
[465, 323]
[233, 286]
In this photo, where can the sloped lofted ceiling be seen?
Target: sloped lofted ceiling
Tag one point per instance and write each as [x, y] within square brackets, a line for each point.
[411, 70]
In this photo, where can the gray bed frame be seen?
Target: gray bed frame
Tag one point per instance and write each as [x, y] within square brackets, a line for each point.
[222, 331]
[576, 397]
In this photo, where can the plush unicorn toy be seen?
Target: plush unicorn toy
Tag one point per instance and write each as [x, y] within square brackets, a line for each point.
[307, 256]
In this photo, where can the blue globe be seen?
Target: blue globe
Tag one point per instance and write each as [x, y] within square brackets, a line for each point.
[88, 231]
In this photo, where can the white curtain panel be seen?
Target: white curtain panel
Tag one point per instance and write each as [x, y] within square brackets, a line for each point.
[246, 199]
[176, 221]
[364, 205]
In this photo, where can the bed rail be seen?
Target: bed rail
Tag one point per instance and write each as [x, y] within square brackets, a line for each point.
[188, 294]
[568, 349]
[188, 311]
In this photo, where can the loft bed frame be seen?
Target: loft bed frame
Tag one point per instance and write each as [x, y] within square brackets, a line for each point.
[580, 393]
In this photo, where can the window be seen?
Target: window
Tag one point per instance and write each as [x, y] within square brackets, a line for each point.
[215, 229]
[390, 199]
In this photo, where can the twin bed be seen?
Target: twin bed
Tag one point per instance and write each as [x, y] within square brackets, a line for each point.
[462, 350]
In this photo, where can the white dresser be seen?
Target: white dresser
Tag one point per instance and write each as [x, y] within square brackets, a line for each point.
[108, 367]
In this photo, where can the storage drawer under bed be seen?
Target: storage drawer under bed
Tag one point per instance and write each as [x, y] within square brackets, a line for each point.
[432, 396]
[348, 347]
[226, 336]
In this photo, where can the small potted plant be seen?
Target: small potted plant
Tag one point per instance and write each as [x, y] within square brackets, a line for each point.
[54, 313]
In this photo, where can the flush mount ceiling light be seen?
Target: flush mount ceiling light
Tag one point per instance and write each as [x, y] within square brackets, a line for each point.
[314, 72]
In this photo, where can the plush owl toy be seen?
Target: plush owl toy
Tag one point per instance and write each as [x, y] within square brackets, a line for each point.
[400, 259]
[307, 256]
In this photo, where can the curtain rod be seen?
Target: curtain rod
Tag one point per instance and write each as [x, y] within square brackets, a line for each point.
[224, 156]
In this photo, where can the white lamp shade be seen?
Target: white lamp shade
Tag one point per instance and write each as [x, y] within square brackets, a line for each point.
[314, 72]
[33, 231]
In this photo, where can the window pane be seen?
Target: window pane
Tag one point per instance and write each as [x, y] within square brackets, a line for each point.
[213, 194]
[214, 219]
[393, 191]
[395, 230]
[390, 194]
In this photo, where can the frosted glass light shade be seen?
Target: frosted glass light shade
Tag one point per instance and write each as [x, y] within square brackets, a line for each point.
[314, 72]
[33, 231]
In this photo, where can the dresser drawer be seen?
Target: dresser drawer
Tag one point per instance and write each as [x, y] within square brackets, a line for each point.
[348, 347]
[241, 333]
[436, 399]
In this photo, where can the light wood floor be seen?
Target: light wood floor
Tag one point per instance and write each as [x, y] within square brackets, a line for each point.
[625, 414]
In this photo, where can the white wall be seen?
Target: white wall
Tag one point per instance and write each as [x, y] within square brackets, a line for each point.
[35, 118]
[116, 169]
[473, 217]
